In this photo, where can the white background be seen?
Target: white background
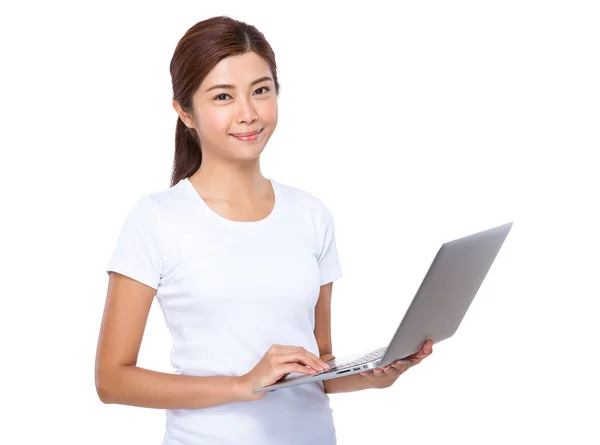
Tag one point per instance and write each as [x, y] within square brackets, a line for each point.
[414, 123]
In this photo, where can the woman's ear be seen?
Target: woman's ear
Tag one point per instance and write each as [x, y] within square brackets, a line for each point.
[185, 117]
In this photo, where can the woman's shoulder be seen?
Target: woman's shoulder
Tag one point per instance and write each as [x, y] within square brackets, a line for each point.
[167, 199]
[300, 196]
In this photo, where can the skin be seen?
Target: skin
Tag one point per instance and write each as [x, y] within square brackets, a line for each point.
[231, 183]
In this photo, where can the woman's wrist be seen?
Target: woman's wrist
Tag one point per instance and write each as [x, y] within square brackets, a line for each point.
[242, 388]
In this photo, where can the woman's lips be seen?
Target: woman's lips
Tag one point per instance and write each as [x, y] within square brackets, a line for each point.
[247, 136]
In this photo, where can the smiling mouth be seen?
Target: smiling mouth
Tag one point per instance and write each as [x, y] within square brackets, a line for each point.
[243, 135]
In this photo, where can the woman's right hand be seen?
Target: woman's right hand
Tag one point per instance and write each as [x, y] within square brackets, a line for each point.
[277, 363]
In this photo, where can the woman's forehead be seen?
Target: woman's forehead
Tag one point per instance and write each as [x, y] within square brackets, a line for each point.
[239, 71]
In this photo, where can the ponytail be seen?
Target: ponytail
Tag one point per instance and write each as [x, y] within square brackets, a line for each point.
[188, 155]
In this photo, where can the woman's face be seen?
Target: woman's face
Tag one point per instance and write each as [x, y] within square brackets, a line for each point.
[237, 96]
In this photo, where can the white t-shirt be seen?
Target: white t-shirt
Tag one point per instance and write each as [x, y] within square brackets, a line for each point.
[228, 291]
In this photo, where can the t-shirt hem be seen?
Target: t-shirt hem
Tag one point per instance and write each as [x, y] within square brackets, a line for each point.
[326, 279]
[133, 275]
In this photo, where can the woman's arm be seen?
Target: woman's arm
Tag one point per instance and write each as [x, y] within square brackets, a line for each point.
[355, 382]
[132, 385]
[119, 380]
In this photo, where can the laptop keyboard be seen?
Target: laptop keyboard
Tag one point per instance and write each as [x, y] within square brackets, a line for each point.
[377, 354]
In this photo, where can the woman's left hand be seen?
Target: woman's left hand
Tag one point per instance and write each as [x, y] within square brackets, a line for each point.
[386, 376]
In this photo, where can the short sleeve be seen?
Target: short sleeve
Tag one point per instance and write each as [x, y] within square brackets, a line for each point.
[137, 252]
[328, 260]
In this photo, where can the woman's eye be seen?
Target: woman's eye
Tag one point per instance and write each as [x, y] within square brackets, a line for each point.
[264, 88]
[221, 95]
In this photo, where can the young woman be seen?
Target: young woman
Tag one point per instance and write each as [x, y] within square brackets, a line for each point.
[242, 267]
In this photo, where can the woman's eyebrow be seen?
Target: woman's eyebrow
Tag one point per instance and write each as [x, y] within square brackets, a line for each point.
[227, 86]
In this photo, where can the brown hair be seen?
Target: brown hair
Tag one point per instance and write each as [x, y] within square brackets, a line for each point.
[202, 47]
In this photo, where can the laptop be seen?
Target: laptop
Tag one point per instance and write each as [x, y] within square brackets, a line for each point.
[436, 311]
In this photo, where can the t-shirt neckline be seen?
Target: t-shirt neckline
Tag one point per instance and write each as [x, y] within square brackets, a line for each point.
[221, 219]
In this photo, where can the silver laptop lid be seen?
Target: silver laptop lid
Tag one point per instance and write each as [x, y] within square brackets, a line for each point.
[446, 292]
